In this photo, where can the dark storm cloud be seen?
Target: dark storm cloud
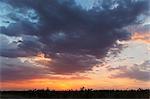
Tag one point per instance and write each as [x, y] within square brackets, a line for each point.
[143, 29]
[69, 63]
[13, 53]
[138, 72]
[62, 27]
[28, 46]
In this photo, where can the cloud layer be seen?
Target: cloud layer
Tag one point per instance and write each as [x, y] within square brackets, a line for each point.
[75, 39]
[138, 72]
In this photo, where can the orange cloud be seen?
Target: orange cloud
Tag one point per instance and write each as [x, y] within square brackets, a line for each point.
[143, 37]
[41, 56]
[41, 59]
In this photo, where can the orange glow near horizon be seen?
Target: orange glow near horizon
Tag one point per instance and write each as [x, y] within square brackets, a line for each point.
[67, 84]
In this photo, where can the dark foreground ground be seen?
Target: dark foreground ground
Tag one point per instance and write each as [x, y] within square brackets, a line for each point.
[88, 93]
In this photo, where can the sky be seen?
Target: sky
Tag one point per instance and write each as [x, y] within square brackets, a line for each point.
[68, 44]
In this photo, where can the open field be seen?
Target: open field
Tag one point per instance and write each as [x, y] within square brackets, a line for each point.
[86, 93]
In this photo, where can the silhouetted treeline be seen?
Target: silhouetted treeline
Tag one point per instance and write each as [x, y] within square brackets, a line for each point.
[82, 93]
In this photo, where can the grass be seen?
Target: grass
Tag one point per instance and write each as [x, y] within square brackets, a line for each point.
[82, 93]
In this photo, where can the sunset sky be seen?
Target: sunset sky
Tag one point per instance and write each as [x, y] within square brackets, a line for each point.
[68, 44]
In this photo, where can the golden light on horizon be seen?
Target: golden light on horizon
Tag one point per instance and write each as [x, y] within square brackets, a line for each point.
[75, 84]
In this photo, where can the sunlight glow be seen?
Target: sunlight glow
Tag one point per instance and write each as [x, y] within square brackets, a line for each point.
[41, 56]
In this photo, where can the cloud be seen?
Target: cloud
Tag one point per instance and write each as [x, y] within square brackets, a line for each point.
[72, 37]
[142, 33]
[138, 72]
[143, 37]
[143, 29]
[12, 69]
[69, 63]
[13, 47]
